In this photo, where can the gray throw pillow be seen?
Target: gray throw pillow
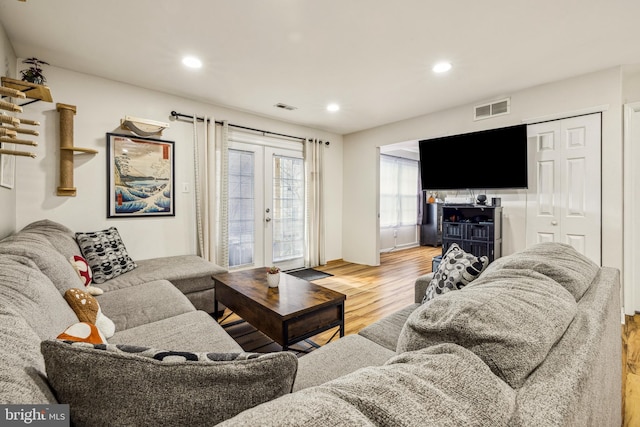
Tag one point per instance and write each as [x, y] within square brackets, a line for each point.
[129, 385]
[106, 254]
[511, 319]
[559, 261]
[456, 270]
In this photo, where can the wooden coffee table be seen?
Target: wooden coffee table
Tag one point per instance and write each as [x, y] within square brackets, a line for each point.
[292, 312]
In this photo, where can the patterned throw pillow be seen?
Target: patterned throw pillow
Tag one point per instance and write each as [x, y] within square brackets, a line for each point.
[456, 270]
[181, 387]
[164, 355]
[106, 254]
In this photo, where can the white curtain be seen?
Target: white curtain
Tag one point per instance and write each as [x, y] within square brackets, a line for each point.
[204, 167]
[210, 162]
[222, 195]
[314, 170]
[399, 184]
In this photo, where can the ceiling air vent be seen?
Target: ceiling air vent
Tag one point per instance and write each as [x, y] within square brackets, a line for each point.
[285, 106]
[496, 108]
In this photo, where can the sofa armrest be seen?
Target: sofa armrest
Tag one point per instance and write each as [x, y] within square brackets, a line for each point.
[420, 287]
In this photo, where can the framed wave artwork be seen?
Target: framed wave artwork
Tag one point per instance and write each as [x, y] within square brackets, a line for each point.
[140, 176]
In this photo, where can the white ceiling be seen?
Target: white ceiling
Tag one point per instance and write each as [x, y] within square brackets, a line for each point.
[373, 57]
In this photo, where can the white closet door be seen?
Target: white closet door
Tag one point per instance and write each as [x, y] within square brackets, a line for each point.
[564, 200]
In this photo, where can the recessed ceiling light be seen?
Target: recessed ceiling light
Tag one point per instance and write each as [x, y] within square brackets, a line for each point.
[333, 107]
[192, 62]
[442, 67]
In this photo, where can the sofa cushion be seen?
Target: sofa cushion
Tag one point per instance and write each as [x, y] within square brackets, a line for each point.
[130, 385]
[339, 358]
[30, 293]
[510, 318]
[189, 273]
[456, 270]
[22, 376]
[192, 331]
[444, 385]
[579, 382]
[387, 330]
[144, 303]
[106, 254]
[59, 236]
[36, 250]
[559, 261]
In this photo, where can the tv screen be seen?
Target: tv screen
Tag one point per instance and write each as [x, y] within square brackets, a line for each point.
[489, 159]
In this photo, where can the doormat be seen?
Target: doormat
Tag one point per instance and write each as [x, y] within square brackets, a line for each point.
[309, 274]
[253, 341]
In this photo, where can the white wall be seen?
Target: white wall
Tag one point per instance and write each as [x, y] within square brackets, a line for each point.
[631, 84]
[600, 88]
[8, 196]
[100, 105]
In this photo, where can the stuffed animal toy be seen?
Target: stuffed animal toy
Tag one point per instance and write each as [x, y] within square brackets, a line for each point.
[81, 266]
[83, 332]
[86, 307]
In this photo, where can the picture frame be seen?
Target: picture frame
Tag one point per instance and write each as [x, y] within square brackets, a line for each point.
[140, 176]
[7, 167]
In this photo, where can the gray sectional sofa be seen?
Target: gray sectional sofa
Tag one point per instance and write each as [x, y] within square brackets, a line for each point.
[534, 340]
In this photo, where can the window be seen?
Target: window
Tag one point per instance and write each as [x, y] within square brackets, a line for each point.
[241, 208]
[288, 208]
[399, 189]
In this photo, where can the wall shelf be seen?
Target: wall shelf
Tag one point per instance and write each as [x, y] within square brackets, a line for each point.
[12, 88]
[33, 91]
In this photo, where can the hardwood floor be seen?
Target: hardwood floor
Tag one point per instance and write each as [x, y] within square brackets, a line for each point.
[631, 371]
[375, 292]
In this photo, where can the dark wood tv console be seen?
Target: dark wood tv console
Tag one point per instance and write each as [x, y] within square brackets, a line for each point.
[477, 229]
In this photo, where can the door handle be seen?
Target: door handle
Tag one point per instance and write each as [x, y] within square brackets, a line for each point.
[554, 222]
[267, 219]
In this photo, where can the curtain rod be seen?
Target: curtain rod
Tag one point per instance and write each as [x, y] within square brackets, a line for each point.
[264, 132]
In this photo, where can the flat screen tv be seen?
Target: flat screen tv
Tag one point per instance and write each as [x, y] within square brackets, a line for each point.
[489, 159]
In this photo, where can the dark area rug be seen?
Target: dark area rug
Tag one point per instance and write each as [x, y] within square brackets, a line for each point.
[308, 274]
[253, 341]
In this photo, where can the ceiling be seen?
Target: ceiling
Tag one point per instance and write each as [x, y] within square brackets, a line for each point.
[372, 57]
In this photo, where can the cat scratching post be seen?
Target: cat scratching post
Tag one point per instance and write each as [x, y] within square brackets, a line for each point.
[67, 149]
[67, 112]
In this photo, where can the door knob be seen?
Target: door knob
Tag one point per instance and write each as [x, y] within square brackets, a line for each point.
[267, 219]
[554, 222]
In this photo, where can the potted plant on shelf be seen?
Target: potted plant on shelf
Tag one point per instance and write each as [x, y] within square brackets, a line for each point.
[273, 276]
[33, 74]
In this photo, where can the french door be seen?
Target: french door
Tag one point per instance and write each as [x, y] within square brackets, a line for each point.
[266, 206]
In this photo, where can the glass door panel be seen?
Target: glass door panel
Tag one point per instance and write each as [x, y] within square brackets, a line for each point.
[287, 247]
[266, 207]
[241, 208]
